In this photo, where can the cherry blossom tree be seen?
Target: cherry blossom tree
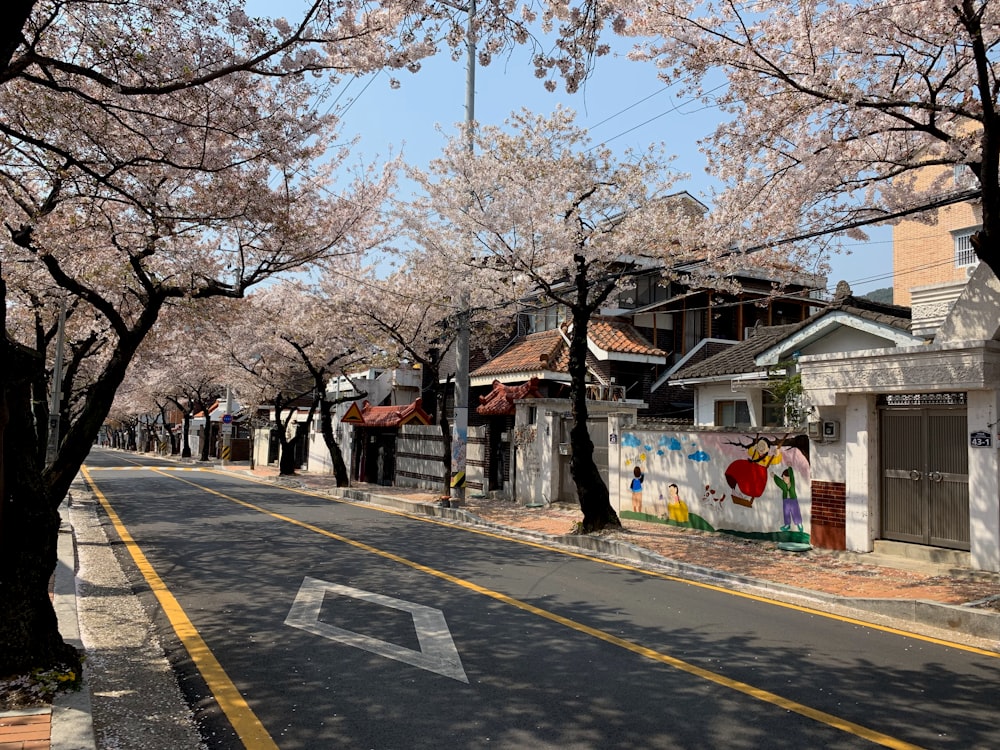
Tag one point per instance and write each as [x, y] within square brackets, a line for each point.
[169, 150]
[183, 363]
[301, 336]
[415, 313]
[123, 264]
[150, 154]
[536, 205]
[134, 411]
[837, 111]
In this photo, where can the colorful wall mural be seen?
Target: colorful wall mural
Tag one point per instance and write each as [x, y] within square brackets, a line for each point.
[752, 484]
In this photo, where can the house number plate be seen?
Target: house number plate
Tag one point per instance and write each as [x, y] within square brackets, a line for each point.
[981, 439]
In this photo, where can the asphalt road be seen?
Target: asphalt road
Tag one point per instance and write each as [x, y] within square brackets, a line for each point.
[297, 622]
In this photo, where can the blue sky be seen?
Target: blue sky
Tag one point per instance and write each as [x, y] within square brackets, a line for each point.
[623, 104]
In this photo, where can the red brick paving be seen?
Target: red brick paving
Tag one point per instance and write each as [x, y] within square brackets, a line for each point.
[819, 570]
[826, 571]
[26, 731]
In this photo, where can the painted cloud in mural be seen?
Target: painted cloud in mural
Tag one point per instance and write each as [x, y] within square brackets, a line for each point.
[631, 440]
[753, 484]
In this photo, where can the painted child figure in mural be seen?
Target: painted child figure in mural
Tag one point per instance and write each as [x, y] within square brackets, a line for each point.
[749, 475]
[636, 487]
[789, 500]
[677, 509]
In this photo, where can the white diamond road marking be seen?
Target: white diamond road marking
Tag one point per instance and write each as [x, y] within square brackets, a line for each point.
[437, 650]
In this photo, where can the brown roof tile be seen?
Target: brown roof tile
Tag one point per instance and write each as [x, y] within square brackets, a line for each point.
[532, 353]
[547, 351]
[500, 401]
[618, 336]
[394, 416]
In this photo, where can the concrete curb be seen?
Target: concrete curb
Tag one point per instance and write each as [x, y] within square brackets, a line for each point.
[72, 711]
[945, 617]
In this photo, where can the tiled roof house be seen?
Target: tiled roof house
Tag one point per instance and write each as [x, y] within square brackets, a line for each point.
[732, 386]
[618, 357]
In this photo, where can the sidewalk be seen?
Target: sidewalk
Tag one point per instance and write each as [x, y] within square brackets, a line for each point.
[958, 605]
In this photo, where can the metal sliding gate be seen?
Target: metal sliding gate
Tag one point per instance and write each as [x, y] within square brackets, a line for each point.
[925, 470]
[597, 427]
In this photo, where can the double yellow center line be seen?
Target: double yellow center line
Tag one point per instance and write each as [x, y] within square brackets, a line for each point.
[255, 737]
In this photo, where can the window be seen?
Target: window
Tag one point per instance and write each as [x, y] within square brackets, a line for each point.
[731, 413]
[647, 290]
[778, 413]
[774, 410]
[965, 178]
[964, 253]
[546, 319]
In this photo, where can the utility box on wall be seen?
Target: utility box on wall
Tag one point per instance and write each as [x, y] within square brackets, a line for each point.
[825, 431]
[831, 431]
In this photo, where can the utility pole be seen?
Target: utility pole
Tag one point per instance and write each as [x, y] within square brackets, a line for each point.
[55, 400]
[460, 421]
[227, 428]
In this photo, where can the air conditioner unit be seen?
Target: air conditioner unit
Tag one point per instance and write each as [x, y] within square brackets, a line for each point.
[969, 270]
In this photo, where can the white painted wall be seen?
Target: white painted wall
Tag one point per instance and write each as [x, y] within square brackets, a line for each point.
[984, 478]
[709, 394]
[261, 438]
[851, 382]
[859, 431]
[536, 444]
[846, 339]
[829, 460]
[670, 456]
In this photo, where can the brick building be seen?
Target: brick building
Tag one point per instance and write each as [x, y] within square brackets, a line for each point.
[936, 249]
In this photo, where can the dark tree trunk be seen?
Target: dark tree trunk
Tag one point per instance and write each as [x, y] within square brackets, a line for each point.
[32, 492]
[595, 501]
[286, 454]
[206, 438]
[12, 35]
[29, 632]
[336, 455]
[164, 442]
[438, 399]
[446, 454]
[186, 437]
[287, 462]
[986, 242]
[286, 458]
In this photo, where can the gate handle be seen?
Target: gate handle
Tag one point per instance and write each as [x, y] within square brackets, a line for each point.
[936, 476]
[914, 475]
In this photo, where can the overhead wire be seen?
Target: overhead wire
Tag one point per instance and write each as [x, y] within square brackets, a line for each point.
[675, 108]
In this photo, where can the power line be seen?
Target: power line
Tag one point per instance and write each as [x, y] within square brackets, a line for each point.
[674, 108]
[633, 105]
[882, 218]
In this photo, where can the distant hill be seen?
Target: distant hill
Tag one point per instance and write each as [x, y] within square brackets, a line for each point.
[882, 296]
